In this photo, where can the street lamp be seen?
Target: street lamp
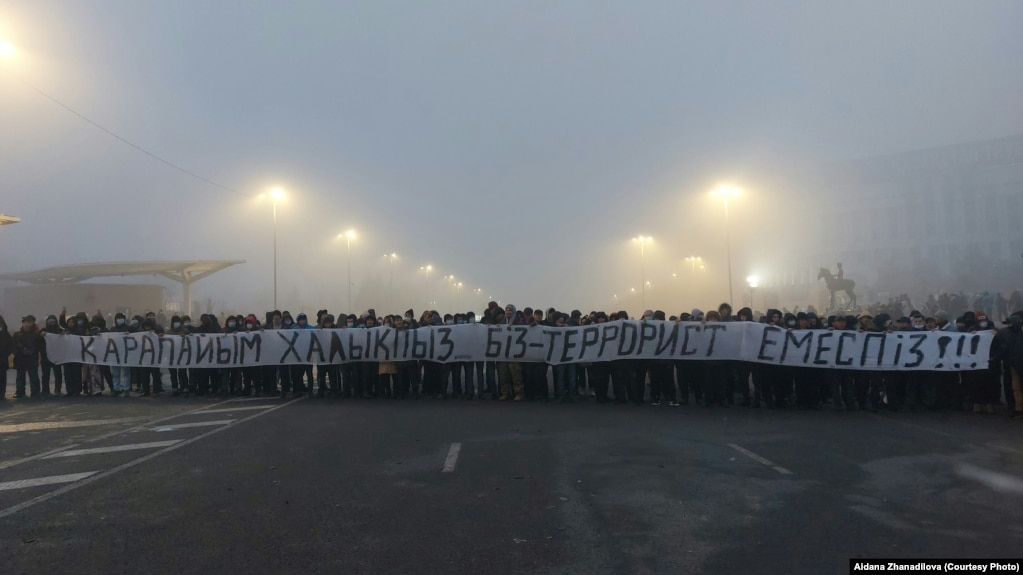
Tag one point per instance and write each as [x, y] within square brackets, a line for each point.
[348, 241]
[390, 266]
[693, 260]
[643, 240]
[275, 195]
[451, 284]
[727, 192]
[752, 282]
[427, 269]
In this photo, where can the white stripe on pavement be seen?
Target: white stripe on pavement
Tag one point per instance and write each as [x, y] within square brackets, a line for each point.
[68, 488]
[759, 459]
[449, 463]
[23, 483]
[113, 448]
[174, 426]
[37, 425]
[264, 398]
[229, 409]
[142, 427]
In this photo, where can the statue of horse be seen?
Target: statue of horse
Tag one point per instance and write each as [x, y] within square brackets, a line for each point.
[836, 284]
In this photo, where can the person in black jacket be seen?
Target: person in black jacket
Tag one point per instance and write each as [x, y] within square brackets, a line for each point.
[6, 349]
[28, 347]
[1013, 353]
[51, 327]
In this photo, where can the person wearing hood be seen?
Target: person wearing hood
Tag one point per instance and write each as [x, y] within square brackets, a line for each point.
[95, 375]
[28, 347]
[302, 374]
[121, 376]
[51, 326]
[327, 373]
[434, 374]
[252, 376]
[751, 395]
[152, 378]
[983, 383]
[509, 373]
[135, 326]
[73, 325]
[179, 376]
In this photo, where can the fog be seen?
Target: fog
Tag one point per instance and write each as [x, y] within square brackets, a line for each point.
[516, 146]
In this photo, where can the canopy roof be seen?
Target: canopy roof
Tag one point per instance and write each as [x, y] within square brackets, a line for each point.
[180, 271]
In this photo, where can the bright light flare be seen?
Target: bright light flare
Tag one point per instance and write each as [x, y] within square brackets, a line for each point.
[276, 194]
[752, 281]
[726, 192]
[6, 49]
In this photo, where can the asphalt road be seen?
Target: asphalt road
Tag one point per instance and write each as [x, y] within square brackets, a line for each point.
[206, 485]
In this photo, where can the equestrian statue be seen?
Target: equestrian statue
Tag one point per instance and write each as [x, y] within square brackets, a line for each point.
[836, 284]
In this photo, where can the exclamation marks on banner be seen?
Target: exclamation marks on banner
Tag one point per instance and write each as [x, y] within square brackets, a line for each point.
[943, 342]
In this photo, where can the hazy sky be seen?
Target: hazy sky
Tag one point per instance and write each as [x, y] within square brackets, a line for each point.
[516, 145]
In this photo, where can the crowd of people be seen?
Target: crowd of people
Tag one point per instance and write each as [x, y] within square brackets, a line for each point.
[635, 381]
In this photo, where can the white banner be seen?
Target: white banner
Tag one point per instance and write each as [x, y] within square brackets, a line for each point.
[652, 340]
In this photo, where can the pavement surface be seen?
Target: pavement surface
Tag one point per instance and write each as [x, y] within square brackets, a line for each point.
[216, 485]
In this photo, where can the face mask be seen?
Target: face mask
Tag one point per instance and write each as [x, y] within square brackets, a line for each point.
[983, 325]
[350, 324]
[287, 322]
[232, 324]
[249, 326]
[792, 324]
[918, 325]
[188, 324]
[134, 323]
[120, 321]
[448, 322]
[408, 318]
[176, 325]
[472, 320]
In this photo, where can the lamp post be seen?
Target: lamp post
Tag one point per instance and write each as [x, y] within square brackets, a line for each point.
[726, 192]
[752, 282]
[390, 266]
[427, 269]
[643, 240]
[348, 241]
[451, 284]
[275, 195]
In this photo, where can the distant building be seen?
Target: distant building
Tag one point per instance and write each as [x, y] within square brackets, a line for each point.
[918, 223]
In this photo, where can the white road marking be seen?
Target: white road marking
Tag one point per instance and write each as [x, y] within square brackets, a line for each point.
[38, 425]
[89, 479]
[142, 427]
[1002, 482]
[452, 459]
[23, 483]
[759, 459]
[114, 448]
[229, 409]
[267, 398]
[174, 426]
